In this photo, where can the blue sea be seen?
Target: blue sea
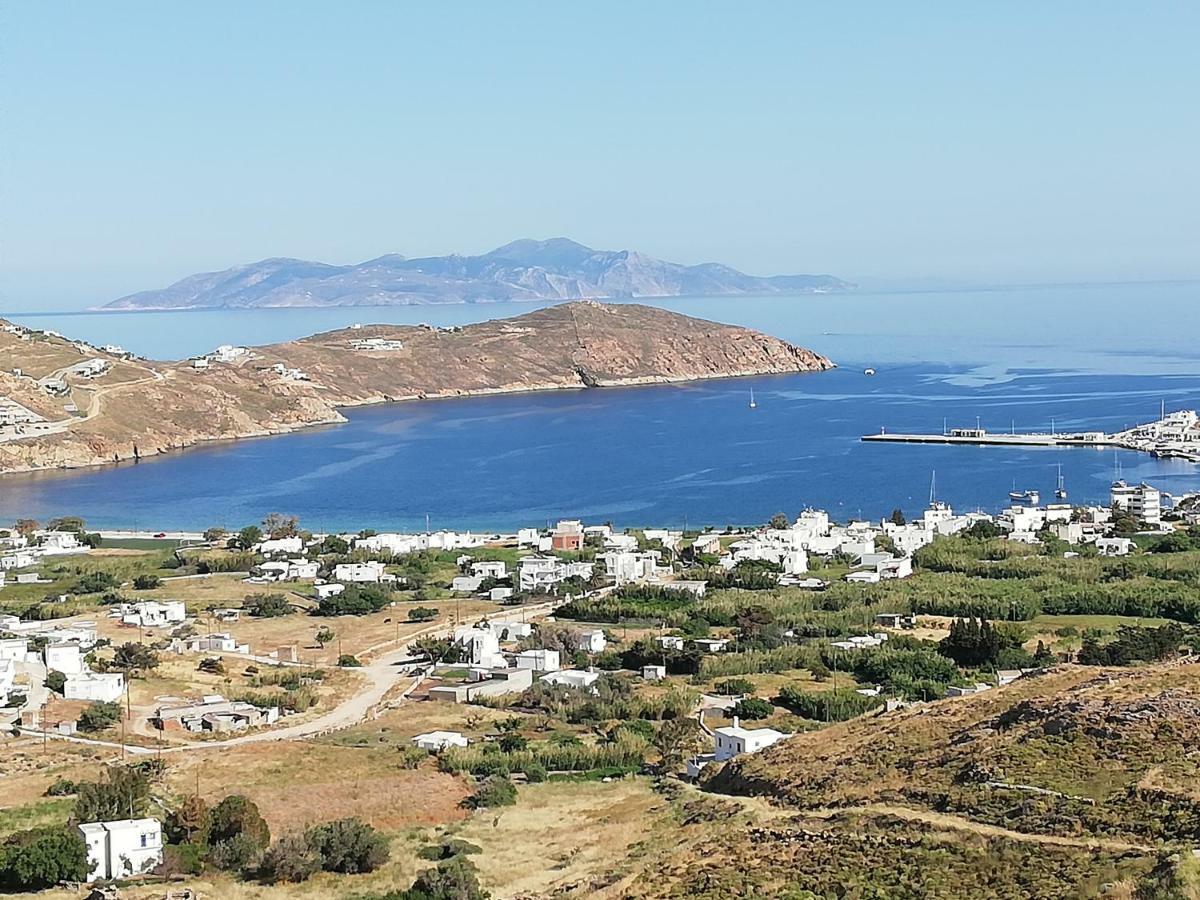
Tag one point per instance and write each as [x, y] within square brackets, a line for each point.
[696, 454]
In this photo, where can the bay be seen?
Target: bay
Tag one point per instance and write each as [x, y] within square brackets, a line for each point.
[1075, 356]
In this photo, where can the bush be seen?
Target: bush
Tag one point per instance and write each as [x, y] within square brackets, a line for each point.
[422, 614]
[56, 681]
[454, 879]
[190, 822]
[98, 716]
[827, 706]
[752, 708]
[63, 787]
[355, 600]
[146, 582]
[534, 772]
[493, 791]
[348, 846]
[212, 665]
[183, 859]
[238, 853]
[95, 583]
[267, 606]
[732, 687]
[291, 858]
[130, 657]
[121, 793]
[238, 834]
[349, 661]
[42, 857]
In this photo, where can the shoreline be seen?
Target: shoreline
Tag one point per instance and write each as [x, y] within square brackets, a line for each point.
[384, 400]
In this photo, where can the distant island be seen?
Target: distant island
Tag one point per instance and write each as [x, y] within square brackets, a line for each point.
[66, 404]
[556, 269]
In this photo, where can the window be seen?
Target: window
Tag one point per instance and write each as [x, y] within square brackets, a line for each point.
[145, 840]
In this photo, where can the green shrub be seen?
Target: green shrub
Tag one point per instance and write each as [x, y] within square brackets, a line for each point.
[493, 791]
[292, 859]
[348, 846]
[752, 708]
[42, 857]
[98, 716]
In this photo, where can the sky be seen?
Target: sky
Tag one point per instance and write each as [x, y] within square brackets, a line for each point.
[882, 142]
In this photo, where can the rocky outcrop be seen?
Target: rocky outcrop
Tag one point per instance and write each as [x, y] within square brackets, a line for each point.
[140, 408]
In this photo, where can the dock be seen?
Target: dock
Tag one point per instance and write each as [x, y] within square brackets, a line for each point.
[1174, 436]
[1008, 440]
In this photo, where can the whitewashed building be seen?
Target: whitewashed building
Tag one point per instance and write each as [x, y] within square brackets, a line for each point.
[122, 848]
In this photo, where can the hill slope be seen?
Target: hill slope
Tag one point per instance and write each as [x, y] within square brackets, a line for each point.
[139, 407]
[557, 269]
[1078, 783]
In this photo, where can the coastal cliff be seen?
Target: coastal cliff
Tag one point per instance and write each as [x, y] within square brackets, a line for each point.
[137, 408]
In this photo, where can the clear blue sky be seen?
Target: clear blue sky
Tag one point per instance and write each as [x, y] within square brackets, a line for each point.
[1006, 142]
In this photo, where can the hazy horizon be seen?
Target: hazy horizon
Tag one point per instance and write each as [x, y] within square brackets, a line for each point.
[893, 147]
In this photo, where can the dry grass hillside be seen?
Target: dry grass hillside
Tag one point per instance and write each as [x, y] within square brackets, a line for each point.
[1078, 783]
[141, 408]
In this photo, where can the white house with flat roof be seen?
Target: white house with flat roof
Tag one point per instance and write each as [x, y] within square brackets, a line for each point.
[361, 573]
[108, 687]
[155, 613]
[63, 658]
[592, 641]
[122, 848]
[576, 678]
[539, 660]
[735, 740]
[440, 740]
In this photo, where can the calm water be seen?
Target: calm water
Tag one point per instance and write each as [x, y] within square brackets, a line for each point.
[1099, 357]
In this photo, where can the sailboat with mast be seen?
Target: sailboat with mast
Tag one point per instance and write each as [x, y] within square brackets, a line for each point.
[753, 405]
[1060, 490]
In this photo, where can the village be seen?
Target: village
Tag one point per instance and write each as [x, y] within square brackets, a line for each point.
[497, 656]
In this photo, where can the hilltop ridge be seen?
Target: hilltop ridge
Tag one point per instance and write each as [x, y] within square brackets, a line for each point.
[525, 269]
[85, 405]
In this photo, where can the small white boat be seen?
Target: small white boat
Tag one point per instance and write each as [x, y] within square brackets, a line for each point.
[1030, 497]
[868, 371]
[1060, 490]
[753, 405]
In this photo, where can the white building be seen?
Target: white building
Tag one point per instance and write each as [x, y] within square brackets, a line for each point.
[483, 647]
[592, 641]
[361, 573]
[64, 658]
[539, 573]
[95, 686]
[437, 741]
[654, 673]
[711, 645]
[8, 672]
[895, 568]
[155, 613]
[122, 848]
[1141, 501]
[576, 678]
[1114, 546]
[489, 568]
[625, 566]
[280, 545]
[466, 584]
[14, 649]
[734, 740]
[539, 660]
[669, 642]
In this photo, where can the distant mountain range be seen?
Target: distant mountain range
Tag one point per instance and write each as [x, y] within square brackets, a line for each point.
[557, 269]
